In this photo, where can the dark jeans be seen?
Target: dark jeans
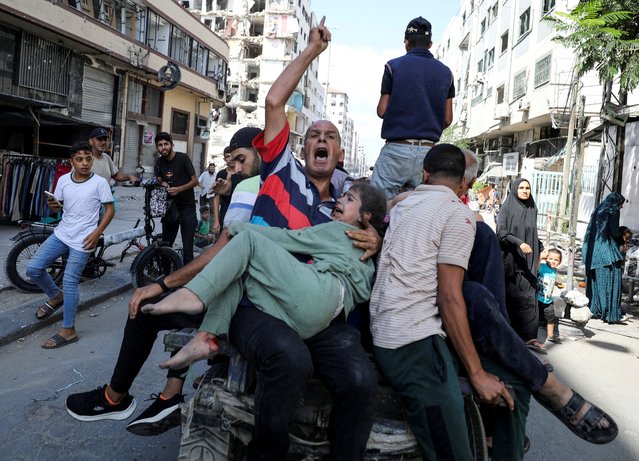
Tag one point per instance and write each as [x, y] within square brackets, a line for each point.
[493, 336]
[186, 225]
[139, 336]
[284, 362]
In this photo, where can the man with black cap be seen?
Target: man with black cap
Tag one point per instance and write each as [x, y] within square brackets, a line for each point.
[103, 165]
[245, 182]
[416, 105]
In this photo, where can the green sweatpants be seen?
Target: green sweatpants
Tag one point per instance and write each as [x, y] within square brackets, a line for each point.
[276, 282]
[424, 375]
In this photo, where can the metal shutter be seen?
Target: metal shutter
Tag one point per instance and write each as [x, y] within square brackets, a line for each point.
[131, 152]
[97, 96]
[198, 151]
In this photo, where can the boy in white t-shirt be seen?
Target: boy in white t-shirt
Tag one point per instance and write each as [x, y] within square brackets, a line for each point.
[80, 194]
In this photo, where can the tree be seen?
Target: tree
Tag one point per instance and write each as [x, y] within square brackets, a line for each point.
[603, 34]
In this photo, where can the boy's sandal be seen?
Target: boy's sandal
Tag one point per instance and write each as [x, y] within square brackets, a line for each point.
[586, 426]
[48, 310]
[57, 341]
[536, 346]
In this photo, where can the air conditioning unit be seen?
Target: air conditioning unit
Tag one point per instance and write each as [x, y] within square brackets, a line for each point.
[524, 104]
[502, 112]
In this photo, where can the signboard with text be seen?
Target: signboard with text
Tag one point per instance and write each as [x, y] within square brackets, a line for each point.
[510, 164]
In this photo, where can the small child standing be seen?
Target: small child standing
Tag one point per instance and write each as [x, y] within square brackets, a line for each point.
[81, 194]
[546, 280]
[203, 236]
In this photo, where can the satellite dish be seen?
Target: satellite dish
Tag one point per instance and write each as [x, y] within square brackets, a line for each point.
[169, 76]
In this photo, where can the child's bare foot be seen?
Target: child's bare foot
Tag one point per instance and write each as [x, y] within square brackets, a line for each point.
[202, 346]
[183, 300]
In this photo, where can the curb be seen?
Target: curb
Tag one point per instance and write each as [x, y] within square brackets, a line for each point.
[19, 321]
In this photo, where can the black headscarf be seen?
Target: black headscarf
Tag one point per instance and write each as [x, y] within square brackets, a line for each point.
[517, 224]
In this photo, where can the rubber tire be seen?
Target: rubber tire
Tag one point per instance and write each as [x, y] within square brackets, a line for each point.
[146, 269]
[19, 254]
[476, 432]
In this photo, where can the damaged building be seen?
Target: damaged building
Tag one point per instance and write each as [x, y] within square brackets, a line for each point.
[263, 37]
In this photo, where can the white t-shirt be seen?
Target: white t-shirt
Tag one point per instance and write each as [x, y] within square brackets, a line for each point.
[81, 210]
[206, 179]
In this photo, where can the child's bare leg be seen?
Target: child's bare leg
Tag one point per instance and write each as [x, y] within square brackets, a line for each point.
[183, 300]
[202, 345]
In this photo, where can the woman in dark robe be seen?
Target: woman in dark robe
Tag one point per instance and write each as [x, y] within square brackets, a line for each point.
[517, 232]
[603, 260]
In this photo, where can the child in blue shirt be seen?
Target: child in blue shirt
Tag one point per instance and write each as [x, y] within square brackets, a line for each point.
[550, 259]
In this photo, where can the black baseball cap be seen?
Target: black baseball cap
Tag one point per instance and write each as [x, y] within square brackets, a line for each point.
[243, 138]
[99, 133]
[418, 26]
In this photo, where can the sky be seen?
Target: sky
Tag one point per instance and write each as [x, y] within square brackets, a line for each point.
[366, 34]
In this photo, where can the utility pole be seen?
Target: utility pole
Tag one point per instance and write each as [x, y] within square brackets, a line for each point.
[576, 184]
[574, 90]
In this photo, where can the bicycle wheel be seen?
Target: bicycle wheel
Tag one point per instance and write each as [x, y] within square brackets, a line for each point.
[475, 426]
[153, 262]
[15, 266]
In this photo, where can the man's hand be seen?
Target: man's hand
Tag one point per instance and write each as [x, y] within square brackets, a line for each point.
[491, 389]
[91, 240]
[320, 35]
[53, 204]
[173, 190]
[367, 239]
[142, 294]
[222, 186]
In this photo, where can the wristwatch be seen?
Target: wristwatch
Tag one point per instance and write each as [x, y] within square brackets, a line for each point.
[160, 281]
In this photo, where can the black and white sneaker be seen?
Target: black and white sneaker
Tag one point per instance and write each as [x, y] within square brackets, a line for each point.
[161, 416]
[93, 406]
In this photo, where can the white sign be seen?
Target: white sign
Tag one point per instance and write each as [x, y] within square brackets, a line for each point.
[510, 165]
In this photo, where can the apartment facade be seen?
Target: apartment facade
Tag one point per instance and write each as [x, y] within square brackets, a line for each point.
[135, 67]
[514, 89]
[337, 113]
[263, 37]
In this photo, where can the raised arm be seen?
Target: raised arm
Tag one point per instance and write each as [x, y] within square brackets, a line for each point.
[286, 83]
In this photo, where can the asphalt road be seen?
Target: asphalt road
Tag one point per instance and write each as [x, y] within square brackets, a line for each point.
[35, 425]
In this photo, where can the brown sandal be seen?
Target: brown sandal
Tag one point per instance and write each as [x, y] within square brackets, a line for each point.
[48, 310]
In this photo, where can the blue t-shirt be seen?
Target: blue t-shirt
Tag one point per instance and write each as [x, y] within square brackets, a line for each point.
[546, 283]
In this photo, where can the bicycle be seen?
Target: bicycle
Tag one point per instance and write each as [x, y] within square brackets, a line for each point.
[154, 259]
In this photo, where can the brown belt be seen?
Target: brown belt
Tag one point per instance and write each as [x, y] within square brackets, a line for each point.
[412, 142]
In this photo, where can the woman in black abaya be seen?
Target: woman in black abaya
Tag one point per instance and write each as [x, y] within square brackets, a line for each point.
[517, 232]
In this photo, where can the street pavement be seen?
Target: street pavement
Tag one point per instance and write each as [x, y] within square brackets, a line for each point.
[598, 360]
